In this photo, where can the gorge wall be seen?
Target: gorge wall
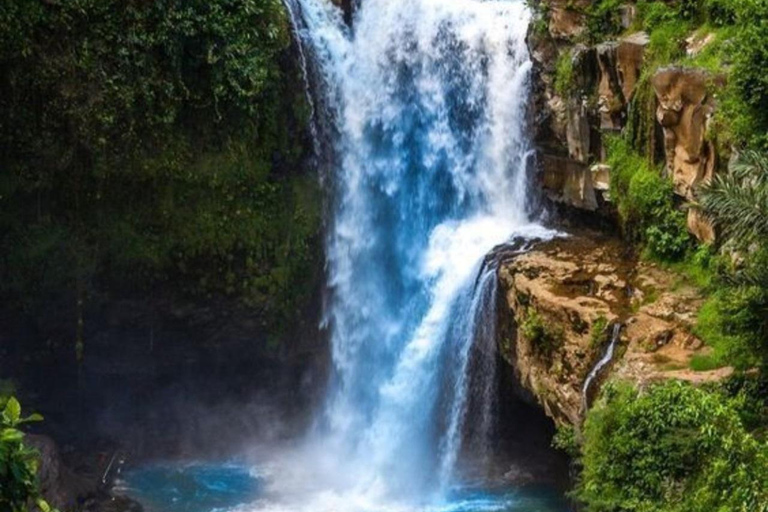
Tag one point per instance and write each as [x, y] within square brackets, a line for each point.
[563, 296]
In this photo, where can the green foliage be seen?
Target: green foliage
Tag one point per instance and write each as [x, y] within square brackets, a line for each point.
[18, 462]
[699, 267]
[544, 338]
[603, 19]
[737, 201]
[671, 448]
[734, 322]
[564, 74]
[667, 41]
[598, 331]
[565, 439]
[750, 61]
[645, 203]
[153, 143]
[704, 363]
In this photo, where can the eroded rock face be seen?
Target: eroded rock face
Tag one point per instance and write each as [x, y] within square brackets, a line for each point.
[567, 19]
[577, 287]
[683, 111]
[630, 56]
[568, 181]
[570, 284]
[620, 65]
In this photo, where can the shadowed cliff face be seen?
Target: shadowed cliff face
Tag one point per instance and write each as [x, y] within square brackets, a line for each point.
[166, 378]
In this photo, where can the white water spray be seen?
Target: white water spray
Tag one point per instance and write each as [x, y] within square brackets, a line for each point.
[429, 98]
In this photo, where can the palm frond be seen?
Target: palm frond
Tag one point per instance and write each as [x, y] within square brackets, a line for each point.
[737, 202]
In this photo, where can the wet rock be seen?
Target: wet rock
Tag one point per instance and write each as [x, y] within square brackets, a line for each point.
[563, 282]
[348, 7]
[627, 13]
[601, 177]
[61, 487]
[578, 130]
[569, 182]
[610, 93]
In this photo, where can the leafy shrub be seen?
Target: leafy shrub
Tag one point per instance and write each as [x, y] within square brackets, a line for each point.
[565, 439]
[671, 448]
[603, 19]
[737, 201]
[564, 74]
[645, 203]
[598, 331]
[544, 338]
[655, 14]
[18, 462]
[734, 321]
[667, 42]
[750, 61]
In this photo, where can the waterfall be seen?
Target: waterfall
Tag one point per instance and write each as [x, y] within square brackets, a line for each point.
[428, 99]
[602, 363]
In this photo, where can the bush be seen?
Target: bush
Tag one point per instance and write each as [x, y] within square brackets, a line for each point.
[544, 339]
[18, 462]
[734, 322]
[645, 203]
[751, 59]
[564, 74]
[671, 448]
[603, 19]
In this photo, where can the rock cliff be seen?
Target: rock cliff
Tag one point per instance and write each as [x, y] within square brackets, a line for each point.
[584, 92]
[559, 303]
[562, 298]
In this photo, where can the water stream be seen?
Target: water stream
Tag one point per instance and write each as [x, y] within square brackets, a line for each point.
[427, 100]
[601, 364]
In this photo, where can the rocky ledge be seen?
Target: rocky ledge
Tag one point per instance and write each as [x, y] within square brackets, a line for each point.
[560, 303]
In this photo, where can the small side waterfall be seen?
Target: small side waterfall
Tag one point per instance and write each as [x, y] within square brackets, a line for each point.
[602, 363]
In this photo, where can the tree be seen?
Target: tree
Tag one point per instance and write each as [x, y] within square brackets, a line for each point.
[737, 201]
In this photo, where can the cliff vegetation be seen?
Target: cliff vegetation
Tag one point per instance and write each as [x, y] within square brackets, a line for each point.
[652, 115]
[153, 146]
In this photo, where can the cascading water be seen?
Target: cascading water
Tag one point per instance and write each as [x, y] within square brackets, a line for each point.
[601, 364]
[428, 103]
[429, 98]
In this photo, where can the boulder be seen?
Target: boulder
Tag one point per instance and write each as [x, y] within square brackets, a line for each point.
[630, 55]
[58, 485]
[684, 108]
[566, 18]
